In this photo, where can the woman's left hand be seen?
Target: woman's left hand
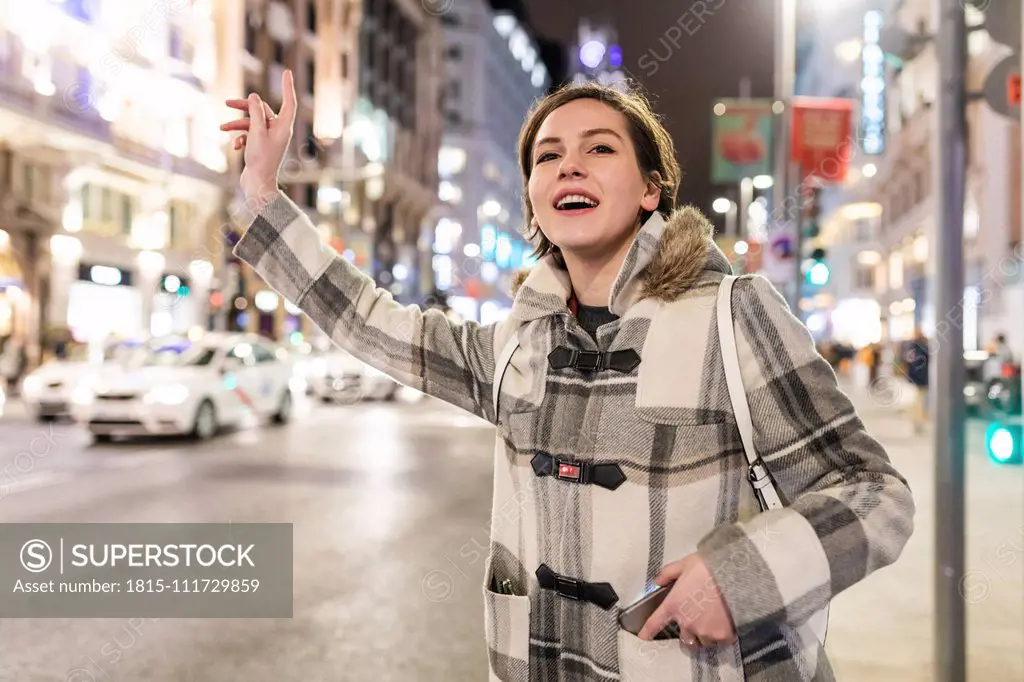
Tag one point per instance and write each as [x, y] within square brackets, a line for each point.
[694, 603]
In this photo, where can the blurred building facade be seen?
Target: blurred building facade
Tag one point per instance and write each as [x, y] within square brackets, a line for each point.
[365, 147]
[111, 166]
[494, 74]
[880, 225]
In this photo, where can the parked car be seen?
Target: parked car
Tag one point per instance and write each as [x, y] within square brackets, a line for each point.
[219, 380]
[46, 391]
[337, 376]
[975, 385]
[1004, 392]
[303, 356]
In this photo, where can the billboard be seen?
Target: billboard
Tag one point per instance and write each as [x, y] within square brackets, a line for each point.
[822, 137]
[741, 139]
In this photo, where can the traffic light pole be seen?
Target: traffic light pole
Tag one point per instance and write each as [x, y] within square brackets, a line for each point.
[785, 76]
[948, 373]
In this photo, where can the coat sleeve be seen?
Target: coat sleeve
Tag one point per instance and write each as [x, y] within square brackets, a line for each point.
[847, 512]
[424, 350]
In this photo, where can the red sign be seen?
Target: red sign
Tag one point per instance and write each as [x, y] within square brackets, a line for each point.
[822, 137]
[1013, 89]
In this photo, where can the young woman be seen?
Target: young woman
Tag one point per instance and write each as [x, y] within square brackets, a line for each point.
[618, 462]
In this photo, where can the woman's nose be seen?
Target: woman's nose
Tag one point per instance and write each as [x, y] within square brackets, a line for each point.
[570, 168]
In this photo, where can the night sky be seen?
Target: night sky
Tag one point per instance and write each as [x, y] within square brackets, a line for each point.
[732, 42]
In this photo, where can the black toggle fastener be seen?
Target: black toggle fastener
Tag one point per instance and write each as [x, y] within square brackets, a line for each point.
[624, 361]
[607, 475]
[599, 594]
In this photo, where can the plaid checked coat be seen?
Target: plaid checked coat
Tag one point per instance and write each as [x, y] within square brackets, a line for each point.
[666, 425]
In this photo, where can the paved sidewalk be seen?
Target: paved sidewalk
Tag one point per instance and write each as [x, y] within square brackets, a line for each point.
[883, 628]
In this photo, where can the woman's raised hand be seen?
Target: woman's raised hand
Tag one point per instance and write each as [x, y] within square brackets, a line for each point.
[265, 138]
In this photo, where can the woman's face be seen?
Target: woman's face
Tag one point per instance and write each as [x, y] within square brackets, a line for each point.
[586, 188]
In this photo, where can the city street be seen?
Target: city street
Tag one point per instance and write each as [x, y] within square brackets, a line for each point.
[387, 502]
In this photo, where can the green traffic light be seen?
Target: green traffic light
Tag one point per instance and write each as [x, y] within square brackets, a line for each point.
[818, 274]
[1003, 443]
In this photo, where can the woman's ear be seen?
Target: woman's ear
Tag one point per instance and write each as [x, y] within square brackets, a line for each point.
[652, 193]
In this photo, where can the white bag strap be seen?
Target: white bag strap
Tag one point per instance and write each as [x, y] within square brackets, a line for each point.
[764, 489]
[500, 365]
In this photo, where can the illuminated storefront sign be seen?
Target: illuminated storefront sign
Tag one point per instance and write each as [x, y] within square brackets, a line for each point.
[105, 275]
[872, 86]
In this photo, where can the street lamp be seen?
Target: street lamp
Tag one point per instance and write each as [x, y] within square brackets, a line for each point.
[849, 51]
[491, 208]
[66, 250]
[726, 207]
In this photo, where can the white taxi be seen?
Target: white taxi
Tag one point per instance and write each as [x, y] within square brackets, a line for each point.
[46, 391]
[220, 380]
[336, 376]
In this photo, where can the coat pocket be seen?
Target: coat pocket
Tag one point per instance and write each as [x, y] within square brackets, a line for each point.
[507, 632]
[653, 661]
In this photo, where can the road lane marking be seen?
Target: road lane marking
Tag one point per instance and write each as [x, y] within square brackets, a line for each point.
[32, 481]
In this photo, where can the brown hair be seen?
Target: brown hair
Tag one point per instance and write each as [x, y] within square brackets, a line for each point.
[654, 150]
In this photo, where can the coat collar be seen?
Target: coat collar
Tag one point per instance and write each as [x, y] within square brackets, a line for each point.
[667, 257]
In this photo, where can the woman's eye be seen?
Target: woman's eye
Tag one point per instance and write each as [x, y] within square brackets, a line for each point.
[546, 156]
[603, 148]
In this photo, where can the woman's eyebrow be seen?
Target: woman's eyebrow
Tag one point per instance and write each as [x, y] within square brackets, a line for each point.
[591, 132]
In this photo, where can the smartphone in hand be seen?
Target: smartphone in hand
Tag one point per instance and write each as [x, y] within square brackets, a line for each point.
[634, 616]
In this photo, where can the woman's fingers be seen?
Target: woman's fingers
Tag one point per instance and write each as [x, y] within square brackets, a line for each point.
[240, 124]
[239, 141]
[689, 641]
[669, 573]
[243, 105]
[288, 105]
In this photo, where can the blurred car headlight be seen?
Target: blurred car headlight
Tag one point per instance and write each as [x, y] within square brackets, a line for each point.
[173, 394]
[82, 395]
[970, 391]
[318, 368]
[31, 385]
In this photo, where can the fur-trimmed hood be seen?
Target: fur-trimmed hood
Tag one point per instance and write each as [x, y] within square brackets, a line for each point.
[668, 256]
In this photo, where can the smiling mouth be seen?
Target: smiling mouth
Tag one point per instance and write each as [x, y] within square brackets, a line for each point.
[576, 202]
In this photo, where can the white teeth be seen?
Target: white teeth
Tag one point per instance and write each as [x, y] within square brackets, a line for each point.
[576, 199]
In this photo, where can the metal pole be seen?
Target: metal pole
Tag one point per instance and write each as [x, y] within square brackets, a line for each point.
[746, 184]
[746, 198]
[1021, 152]
[745, 86]
[785, 76]
[948, 371]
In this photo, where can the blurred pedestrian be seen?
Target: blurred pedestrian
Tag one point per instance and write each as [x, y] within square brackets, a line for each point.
[875, 362]
[1001, 350]
[916, 357]
[13, 359]
[618, 463]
